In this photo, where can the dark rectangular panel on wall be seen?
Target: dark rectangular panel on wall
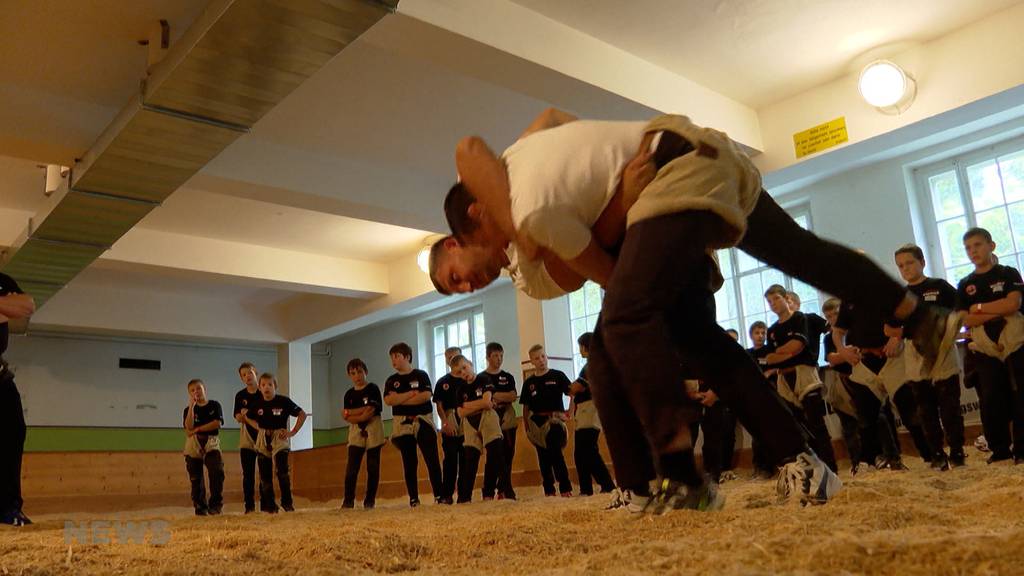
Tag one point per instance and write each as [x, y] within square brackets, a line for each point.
[138, 364]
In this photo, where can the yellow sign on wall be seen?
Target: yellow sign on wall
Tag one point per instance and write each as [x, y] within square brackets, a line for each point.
[821, 137]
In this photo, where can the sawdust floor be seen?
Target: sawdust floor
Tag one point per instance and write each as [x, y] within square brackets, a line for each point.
[967, 521]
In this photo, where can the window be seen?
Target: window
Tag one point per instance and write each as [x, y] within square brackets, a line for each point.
[584, 306]
[984, 189]
[739, 303]
[741, 300]
[464, 329]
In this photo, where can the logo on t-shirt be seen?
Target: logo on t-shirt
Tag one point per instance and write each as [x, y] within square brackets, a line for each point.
[396, 385]
[445, 385]
[414, 384]
[260, 411]
[997, 286]
[971, 289]
[278, 411]
[366, 400]
[931, 296]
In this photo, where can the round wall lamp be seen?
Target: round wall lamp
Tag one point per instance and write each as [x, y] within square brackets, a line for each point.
[423, 256]
[887, 87]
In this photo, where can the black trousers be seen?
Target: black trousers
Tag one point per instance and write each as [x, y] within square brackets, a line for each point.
[552, 462]
[355, 460]
[248, 458]
[454, 462]
[906, 405]
[426, 439]
[494, 472]
[12, 445]
[1001, 395]
[658, 314]
[938, 406]
[719, 427]
[214, 463]
[267, 467]
[876, 429]
[509, 438]
[851, 437]
[590, 466]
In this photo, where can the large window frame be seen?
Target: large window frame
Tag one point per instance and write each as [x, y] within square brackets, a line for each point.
[464, 328]
[741, 300]
[964, 189]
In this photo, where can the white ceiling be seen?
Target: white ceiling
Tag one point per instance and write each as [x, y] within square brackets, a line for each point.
[762, 51]
[87, 49]
[210, 215]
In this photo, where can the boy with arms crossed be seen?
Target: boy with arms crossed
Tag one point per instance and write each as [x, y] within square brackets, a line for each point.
[991, 295]
[361, 409]
[408, 392]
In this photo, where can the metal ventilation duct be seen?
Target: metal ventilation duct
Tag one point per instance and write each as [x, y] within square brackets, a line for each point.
[237, 61]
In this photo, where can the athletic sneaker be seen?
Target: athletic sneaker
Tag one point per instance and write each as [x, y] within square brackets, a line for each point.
[940, 462]
[566, 494]
[727, 476]
[12, 520]
[808, 477]
[348, 504]
[288, 508]
[673, 495]
[957, 459]
[201, 512]
[981, 444]
[23, 519]
[414, 502]
[933, 332]
[893, 464]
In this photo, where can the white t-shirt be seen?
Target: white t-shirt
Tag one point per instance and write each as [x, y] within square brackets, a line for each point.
[562, 178]
[531, 276]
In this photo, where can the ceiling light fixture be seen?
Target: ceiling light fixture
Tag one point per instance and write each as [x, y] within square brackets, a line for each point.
[423, 256]
[887, 87]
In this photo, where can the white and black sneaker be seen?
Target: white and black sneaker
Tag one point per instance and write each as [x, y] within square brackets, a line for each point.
[673, 495]
[623, 500]
[809, 479]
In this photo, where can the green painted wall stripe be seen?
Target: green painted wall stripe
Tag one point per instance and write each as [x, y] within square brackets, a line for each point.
[77, 439]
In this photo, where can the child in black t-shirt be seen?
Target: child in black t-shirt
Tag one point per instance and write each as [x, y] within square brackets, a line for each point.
[505, 395]
[764, 468]
[361, 408]
[408, 392]
[798, 380]
[244, 399]
[481, 430]
[991, 296]
[544, 418]
[202, 420]
[446, 396]
[938, 393]
[590, 466]
[270, 417]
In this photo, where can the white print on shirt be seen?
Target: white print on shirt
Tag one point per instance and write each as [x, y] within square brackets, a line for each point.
[997, 287]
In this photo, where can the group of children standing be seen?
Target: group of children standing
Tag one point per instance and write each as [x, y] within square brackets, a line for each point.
[263, 442]
[877, 374]
[478, 421]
